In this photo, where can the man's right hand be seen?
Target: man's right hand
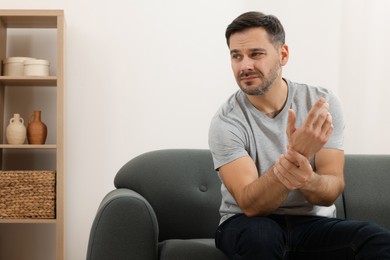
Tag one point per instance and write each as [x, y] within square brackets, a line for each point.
[314, 132]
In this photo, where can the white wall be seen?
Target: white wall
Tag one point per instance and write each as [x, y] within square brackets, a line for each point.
[364, 84]
[145, 75]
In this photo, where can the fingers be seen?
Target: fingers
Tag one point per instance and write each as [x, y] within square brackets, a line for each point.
[300, 161]
[292, 118]
[327, 126]
[293, 176]
[286, 182]
[329, 132]
[314, 132]
[320, 120]
[288, 173]
[322, 116]
[282, 176]
[314, 111]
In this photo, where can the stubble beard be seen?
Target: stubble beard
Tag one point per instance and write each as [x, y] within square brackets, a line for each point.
[263, 87]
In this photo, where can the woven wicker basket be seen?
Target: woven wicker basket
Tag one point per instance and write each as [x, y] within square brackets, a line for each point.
[27, 194]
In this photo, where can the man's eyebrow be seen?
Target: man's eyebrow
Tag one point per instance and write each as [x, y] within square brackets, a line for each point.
[251, 50]
[258, 49]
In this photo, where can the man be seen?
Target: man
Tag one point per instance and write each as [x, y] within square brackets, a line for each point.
[278, 148]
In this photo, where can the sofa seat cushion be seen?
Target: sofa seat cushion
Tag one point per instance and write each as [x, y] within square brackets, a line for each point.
[189, 249]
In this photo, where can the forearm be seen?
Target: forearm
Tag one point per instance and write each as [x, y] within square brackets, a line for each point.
[322, 190]
[256, 195]
[263, 196]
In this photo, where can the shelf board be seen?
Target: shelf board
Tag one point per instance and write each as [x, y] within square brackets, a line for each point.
[28, 146]
[27, 221]
[49, 81]
[30, 18]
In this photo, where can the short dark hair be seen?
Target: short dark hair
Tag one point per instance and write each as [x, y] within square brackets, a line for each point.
[248, 20]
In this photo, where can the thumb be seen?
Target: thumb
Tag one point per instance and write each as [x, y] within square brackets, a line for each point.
[292, 118]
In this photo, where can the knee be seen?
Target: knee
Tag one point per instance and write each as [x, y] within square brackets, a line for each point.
[371, 230]
[262, 234]
[369, 234]
[251, 237]
[264, 231]
[373, 240]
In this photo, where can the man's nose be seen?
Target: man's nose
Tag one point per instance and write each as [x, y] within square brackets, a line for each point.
[247, 64]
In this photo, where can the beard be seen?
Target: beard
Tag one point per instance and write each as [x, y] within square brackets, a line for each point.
[267, 81]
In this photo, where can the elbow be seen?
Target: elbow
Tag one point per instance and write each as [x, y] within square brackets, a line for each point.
[326, 200]
[247, 208]
[256, 208]
[250, 211]
[328, 203]
[337, 193]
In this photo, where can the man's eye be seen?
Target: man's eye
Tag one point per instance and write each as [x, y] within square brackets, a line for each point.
[257, 54]
[236, 56]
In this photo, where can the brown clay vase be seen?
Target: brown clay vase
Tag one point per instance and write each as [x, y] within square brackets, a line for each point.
[36, 129]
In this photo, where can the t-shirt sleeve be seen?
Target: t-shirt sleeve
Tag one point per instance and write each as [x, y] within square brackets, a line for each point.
[226, 141]
[336, 141]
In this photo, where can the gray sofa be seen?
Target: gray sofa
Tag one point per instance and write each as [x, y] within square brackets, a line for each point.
[165, 205]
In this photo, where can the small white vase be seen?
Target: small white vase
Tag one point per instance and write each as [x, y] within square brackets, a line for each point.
[16, 131]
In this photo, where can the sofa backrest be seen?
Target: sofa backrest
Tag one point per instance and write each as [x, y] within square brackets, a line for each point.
[181, 186]
[184, 190]
[367, 190]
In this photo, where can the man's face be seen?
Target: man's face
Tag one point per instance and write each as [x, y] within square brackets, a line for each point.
[256, 63]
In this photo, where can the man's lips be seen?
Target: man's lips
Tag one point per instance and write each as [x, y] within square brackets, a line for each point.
[249, 75]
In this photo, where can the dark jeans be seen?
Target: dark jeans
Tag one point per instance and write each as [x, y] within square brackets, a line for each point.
[301, 237]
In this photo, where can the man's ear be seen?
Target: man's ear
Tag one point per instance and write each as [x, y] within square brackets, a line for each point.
[284, 54]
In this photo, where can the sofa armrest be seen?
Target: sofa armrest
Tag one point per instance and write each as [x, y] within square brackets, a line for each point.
[125, 227]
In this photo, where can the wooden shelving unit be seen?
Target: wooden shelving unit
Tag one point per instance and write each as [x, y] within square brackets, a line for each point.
[28, 146]
[38, 19]
[49, 81]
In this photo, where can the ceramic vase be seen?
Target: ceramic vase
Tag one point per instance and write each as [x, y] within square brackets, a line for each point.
[16, 131]
[36, 129]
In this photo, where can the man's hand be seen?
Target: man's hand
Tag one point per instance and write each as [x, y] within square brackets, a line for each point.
[293, 175]
[322, 187]
[314, 132]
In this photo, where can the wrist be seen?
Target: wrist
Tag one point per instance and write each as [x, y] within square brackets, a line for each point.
[310, 183]
[291, 150]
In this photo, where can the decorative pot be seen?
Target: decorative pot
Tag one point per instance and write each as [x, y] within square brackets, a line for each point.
[16, 131]
[36, 129]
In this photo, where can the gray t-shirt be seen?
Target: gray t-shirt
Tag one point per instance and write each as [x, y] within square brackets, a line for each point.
[238, 129]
